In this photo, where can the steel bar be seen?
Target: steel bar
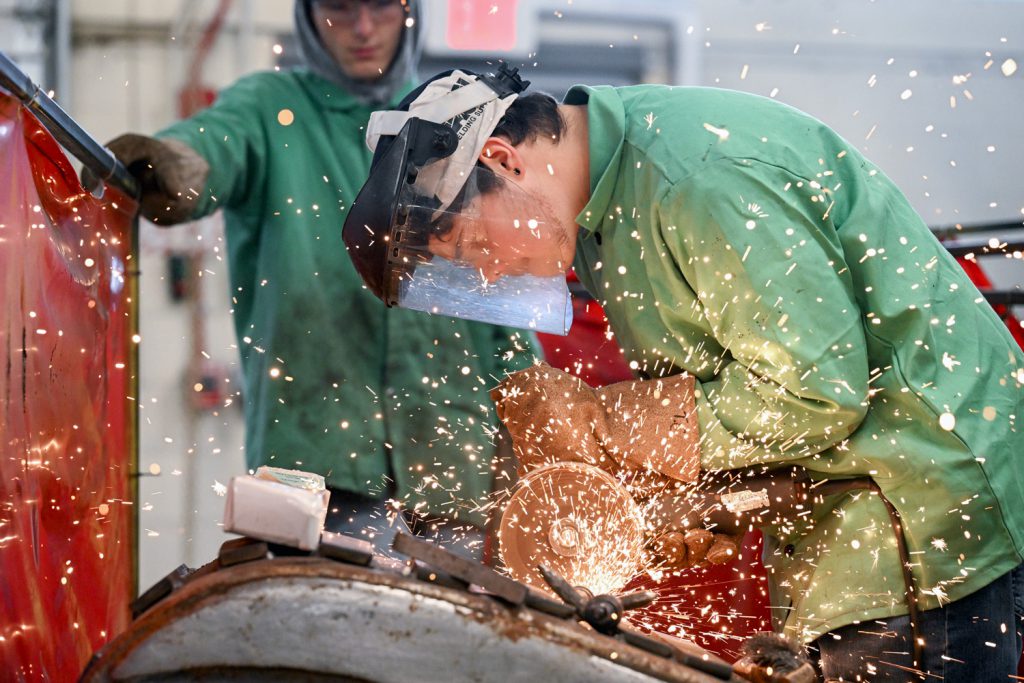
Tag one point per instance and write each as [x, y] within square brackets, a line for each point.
[461, 568]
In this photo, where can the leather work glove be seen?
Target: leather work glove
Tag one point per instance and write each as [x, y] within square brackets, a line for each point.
[170, 173]
[688, 525]
[649, 425]
[673, 550]
[774, 658]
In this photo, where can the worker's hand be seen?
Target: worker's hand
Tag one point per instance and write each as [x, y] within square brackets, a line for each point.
[674, 550]
[171, 175]
[774, 658]
[551, 416]
[648, 425]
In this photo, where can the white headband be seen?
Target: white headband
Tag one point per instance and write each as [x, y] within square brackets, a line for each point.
[464, 101]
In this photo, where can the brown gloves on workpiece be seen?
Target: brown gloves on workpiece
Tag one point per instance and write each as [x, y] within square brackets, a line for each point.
[170, 173]
[635, 426]
[556, 417]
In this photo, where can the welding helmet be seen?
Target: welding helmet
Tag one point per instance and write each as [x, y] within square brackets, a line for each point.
[435, 231]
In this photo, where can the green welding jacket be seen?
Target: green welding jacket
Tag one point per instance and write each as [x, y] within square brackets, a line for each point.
[335, 382]
[744, 242]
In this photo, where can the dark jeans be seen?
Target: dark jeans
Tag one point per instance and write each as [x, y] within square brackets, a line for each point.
[975, 640]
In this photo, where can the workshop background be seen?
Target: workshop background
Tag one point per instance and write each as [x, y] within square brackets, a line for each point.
[931, 92]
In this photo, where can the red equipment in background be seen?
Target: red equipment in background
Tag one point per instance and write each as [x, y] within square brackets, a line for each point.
[981, 281]
[67, 417]
[196, 95]
[474, 25]
[589, 351]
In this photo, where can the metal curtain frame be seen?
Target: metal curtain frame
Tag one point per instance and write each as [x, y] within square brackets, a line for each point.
[65, 129]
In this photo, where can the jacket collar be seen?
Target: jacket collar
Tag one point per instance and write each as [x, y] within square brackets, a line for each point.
[606, 119]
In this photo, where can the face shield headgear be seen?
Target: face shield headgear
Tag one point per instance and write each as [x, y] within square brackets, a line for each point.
[435, 231]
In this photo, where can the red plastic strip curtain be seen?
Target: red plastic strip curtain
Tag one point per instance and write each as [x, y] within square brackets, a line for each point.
[981, 281]
[67, 428]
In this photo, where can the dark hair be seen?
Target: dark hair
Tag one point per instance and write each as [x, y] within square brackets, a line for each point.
[529, 117]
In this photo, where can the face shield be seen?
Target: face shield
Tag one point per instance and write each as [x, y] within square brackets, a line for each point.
[493, 255]
[435, 231]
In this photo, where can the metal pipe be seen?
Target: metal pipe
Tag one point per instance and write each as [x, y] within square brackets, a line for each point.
[961, 229]
[1003, 297]
[979, 246]
[65, 129]
[61, 50]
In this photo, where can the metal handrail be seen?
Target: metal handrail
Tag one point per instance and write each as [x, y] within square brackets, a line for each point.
[1003, 297]
[983, 247]
[951, 231]
[94, 156]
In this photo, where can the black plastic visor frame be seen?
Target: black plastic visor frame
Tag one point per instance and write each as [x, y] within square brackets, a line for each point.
[374, 230]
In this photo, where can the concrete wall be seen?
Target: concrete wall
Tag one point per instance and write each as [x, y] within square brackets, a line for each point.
[917, 85]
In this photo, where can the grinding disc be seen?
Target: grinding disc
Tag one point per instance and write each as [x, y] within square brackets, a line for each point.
[577, 521]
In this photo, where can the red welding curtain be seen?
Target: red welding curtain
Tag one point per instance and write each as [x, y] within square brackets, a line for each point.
[66, 433]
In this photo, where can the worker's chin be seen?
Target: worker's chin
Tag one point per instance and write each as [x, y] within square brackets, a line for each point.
[546, 270]
[366, 71]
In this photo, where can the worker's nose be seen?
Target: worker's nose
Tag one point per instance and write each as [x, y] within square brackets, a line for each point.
[364, 22]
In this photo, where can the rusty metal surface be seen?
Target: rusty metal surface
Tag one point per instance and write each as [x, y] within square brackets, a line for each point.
[311, 614]
[239, 550]
[345, 548]
[160, 590]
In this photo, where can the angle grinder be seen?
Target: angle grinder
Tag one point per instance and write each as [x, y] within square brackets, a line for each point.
[598, 532]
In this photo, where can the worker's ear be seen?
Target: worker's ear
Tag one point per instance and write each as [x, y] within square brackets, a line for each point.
[503, 159]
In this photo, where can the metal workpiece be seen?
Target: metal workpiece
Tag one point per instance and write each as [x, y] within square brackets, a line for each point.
[263, 611]
[161, 589]
[345, 549]
[466, 570]
[606, 614]
[239, 550]
[297, 618]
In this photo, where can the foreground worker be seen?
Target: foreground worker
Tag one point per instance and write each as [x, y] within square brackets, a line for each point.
[382, 403]
[784, 304]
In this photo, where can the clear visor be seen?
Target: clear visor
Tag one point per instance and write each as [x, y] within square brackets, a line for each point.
[494, 255]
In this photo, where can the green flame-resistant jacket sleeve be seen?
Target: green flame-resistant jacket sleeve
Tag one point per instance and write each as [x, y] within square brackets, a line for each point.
[757, 247]
[232, 135]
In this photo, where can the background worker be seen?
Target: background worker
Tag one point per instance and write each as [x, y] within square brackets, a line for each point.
[784, 305]
[384, 404]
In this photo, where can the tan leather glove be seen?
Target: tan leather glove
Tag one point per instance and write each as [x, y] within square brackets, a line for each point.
[674, 550]
[171, 175]
[774, 658]
[553, 416]
[688, 527]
